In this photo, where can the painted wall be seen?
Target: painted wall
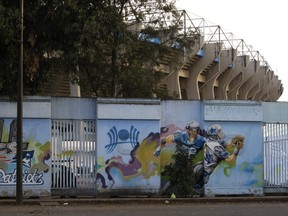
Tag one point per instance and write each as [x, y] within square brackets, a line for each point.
[244, 118]
[36, 149]
[244, 175]
[128, 132]
[127, 137]
[175, 115]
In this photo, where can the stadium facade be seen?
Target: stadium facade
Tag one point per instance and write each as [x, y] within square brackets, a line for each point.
[216, 66]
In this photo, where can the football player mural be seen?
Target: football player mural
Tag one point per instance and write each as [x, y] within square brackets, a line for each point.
[209, 148]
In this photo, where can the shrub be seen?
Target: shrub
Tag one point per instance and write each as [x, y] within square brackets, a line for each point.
[180, 173]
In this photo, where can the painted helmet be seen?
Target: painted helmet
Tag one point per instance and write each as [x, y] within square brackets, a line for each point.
[214, 132]
[193, 125]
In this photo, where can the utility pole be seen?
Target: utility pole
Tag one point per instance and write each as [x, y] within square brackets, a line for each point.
[19, 174]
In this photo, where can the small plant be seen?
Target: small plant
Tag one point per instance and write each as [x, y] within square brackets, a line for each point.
[180, 173]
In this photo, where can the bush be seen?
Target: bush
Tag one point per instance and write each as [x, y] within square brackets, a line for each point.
[180, 173]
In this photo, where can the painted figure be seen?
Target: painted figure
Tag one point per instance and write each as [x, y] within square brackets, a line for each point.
[189, 139]
[215, 151]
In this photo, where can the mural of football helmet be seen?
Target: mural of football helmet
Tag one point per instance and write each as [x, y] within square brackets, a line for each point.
[215, 132]
[193, 125]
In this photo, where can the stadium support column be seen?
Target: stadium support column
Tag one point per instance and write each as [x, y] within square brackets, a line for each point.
[195, 70]
[211, 75]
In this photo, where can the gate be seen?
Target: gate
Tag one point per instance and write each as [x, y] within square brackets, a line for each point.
[275, 157]
[73, 159]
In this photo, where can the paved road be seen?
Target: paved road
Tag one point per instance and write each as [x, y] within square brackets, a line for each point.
[165, 209]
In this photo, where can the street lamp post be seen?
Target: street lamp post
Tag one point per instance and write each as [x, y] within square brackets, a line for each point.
[19, 184]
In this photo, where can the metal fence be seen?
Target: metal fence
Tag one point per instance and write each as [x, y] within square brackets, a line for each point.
[275, 157]
[73, 157]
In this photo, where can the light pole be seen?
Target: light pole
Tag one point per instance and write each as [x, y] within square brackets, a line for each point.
[19, 184]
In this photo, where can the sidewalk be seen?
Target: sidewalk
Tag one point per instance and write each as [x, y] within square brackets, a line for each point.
[141, 200]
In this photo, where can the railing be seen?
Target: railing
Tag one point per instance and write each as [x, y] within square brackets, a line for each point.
[73, 155]
[275, 155]
[188, 25]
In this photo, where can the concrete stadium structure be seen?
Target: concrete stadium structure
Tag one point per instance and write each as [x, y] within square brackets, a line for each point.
[216, 66]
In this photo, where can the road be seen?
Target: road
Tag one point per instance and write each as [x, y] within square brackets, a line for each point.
[165, 209]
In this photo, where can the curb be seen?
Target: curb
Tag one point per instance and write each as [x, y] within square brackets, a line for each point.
[124, 201]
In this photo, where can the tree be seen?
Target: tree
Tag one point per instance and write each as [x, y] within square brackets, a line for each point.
[125, 65]
[110, 48]
[9, 43]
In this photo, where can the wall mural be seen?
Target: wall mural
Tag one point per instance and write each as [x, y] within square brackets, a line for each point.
[126, 157]
[36, 153]
[216, 153]
[225, 155]
[124, 136]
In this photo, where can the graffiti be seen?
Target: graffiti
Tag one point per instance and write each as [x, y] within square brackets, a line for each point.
[189, 139]
[33, 178]
[34, 157]
[122, 137]
[141, 164]
[209, 147]
[26, 158]
[8, 149]
[8, 154]
[215, 149]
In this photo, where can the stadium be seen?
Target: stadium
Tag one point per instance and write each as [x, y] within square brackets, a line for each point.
[217, 65]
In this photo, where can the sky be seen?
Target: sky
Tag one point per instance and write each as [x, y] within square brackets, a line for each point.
[260, 23]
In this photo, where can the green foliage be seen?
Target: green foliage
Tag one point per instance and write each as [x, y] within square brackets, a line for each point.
[9, 43]
[89, 39]
[180, 172]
